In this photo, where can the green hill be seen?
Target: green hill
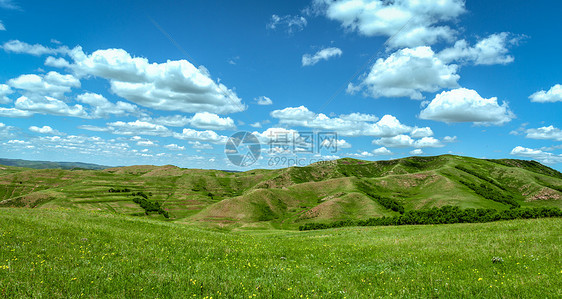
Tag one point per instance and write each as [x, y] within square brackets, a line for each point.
[49, 164]
[287, 198]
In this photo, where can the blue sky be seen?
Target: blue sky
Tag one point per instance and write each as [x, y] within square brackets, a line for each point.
[168, 82]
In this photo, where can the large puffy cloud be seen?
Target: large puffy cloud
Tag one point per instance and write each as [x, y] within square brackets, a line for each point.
[549, 132]
[17, 46]
[408, 22]
[324, 54]
[101, 107]
[554, 94]
[537, 154]
[53, 84]
[490, 50]
[408, 73]
[46, 105]
[466, 105]
[354, 124]
[174, 85]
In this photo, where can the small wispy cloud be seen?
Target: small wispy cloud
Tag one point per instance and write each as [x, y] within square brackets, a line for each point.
[291, 23]
[324, 54]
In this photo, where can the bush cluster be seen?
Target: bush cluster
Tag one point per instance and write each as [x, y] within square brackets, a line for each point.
[113, 190]
[151, 206]
[140, 193]
[444, 215]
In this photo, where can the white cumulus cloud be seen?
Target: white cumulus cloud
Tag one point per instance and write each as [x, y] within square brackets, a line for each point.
[102, 107]
[53, 84]
[46, 105]
[416, 152]
[381, 151]
[490, 50]
[174, 147]
[211, 121]
[19, 47]
[200, 145]
[537, 154]
[202, 136]
[176, 85]
[408, 23]
[5, 90]
[138, 128]
[466, 105]
[146, 143]
[554, 94]
[57, 62]
[13, 112]
[263, 100]
[549, 132]
[45, 130]
[408, 73]
[354, 124]
[407, 141]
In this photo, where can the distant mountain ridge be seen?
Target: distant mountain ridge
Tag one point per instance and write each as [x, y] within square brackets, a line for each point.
[50, 164]
[344, 189]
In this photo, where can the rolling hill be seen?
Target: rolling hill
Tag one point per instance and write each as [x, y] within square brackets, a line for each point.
[286, 198]
[49, 164]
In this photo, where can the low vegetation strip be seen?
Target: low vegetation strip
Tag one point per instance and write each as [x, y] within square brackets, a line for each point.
[443, 215]
[386, 202]
[489, 193]
[480, 176]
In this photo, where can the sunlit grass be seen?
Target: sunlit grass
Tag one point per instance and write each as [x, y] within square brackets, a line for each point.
[73, 253]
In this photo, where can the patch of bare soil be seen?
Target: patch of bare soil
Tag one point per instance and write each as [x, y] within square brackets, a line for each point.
[545, 194]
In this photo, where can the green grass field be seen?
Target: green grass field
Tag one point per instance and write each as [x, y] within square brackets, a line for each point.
[78, 253]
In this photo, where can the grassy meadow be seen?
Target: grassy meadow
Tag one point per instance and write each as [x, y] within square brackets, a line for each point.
[77, 253]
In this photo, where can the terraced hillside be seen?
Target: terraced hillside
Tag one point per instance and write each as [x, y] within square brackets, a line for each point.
[286, 198]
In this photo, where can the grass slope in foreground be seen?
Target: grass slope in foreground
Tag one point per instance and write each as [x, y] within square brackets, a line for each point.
[74, 253]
